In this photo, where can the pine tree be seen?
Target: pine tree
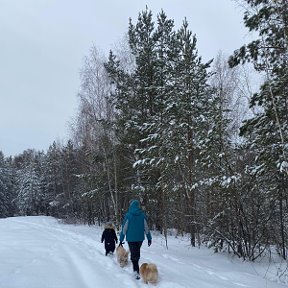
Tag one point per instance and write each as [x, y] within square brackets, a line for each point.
[134, 95]
[191, 104]
[155, 156]
[267, 131]
[161, 106]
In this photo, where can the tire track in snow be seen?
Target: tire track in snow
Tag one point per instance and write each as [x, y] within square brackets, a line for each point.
[77, 257]
[185, 270]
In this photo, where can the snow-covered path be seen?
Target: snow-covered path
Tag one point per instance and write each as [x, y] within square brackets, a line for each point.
[38, 252]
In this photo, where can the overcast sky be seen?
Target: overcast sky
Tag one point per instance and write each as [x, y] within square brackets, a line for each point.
[43, 42]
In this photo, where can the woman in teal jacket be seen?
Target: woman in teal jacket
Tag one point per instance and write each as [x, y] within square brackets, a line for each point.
[134, 227]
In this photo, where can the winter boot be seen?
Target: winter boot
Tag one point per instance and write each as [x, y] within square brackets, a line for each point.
[136, 275]
[136, 269]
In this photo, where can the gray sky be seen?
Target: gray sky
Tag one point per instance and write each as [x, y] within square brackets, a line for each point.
[43, 42]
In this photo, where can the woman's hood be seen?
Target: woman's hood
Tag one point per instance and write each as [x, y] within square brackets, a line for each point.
[135, 208]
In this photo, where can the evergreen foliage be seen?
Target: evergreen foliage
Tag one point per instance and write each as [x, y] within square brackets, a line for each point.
[267, 132]
[155, 124]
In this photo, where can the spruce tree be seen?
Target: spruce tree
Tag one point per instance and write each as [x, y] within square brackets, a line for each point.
[29, 192]
[6, 187]
[52, 180]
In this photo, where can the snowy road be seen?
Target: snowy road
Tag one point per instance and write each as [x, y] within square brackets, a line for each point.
[38, 252]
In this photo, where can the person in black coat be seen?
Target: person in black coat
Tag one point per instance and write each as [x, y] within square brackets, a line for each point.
[110, 238]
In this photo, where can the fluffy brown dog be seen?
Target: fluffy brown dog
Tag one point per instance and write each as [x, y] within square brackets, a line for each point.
[122, 256]
[149, 273]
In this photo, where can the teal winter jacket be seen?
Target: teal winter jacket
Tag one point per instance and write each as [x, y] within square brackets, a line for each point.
[135, 225]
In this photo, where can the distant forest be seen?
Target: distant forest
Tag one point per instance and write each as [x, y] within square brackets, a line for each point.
[203, 153]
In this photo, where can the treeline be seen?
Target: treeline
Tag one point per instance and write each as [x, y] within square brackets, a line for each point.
[157, 123]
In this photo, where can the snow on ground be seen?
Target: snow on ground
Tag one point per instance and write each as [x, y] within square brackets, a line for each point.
[40, 252]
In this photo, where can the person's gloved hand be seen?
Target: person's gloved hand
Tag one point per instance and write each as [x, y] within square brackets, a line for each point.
[121, 243]
[149, 242]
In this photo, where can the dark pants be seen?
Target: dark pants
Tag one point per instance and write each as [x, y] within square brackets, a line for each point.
[135, 254]
[109, 247]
